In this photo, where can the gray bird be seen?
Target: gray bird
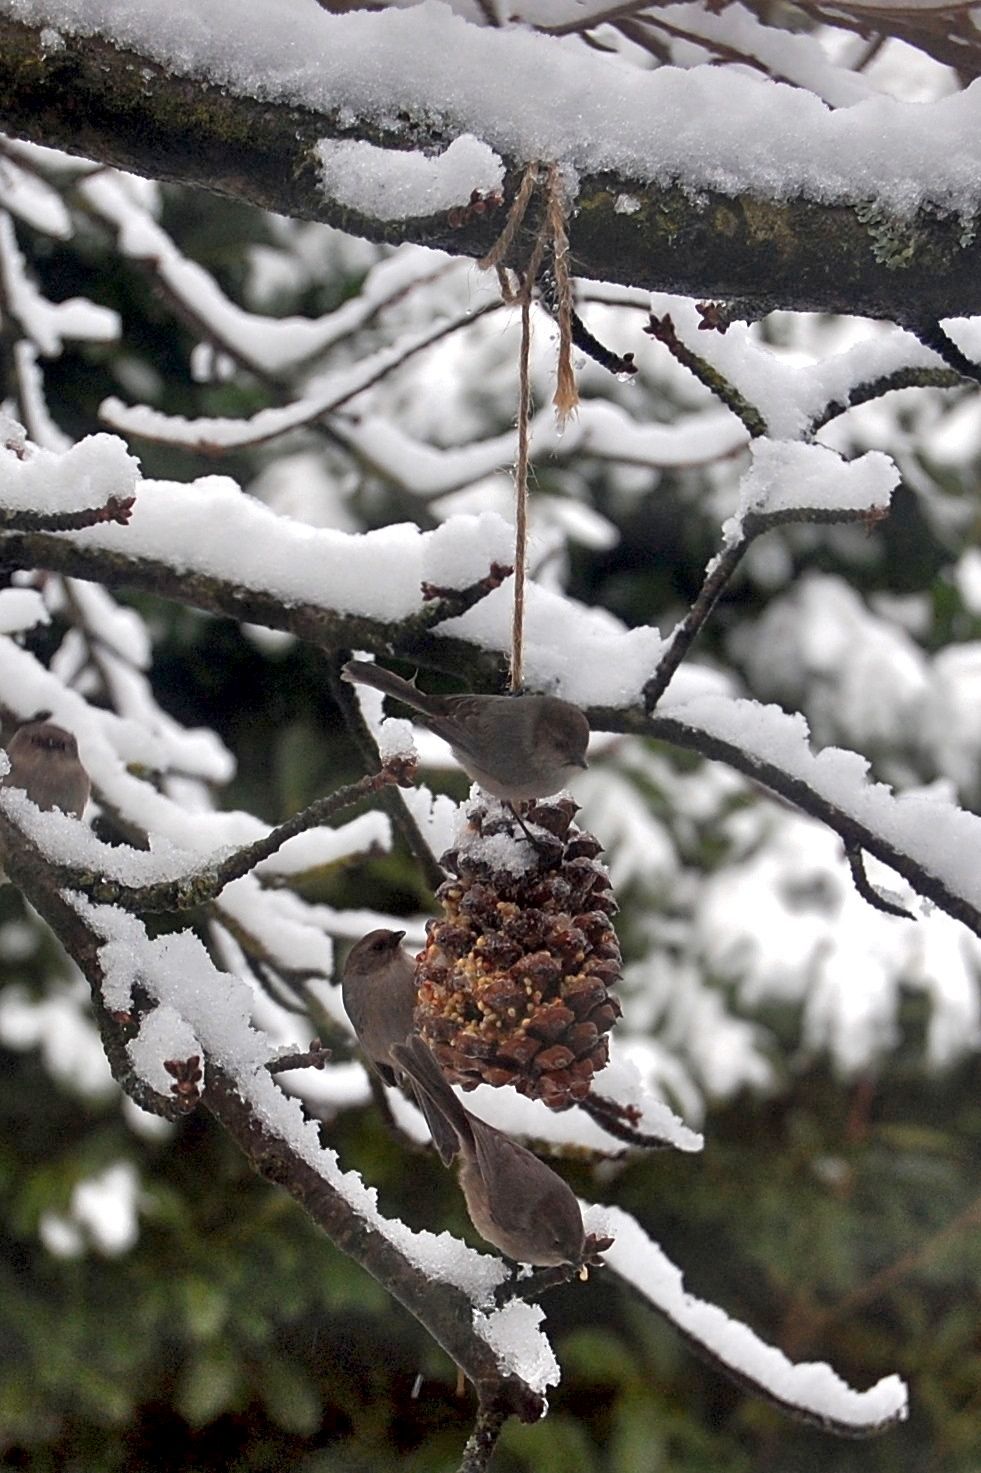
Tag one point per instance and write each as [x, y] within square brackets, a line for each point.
[44, 762]
[378, 986]
[516, 1202]
[515, 747]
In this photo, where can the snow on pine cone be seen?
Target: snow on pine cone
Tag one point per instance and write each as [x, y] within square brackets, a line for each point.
[514, 978]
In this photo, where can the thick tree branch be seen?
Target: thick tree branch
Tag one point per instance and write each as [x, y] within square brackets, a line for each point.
[444, 1311]
[318, 625]
[483, 669]
[122, 108]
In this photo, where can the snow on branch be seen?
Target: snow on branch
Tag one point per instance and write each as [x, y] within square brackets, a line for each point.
[601, 430]
[510, 88]
[790, 400]
[42, 484]
[932, 843]
[378, 576]
[391, 185]
[812, 1391]
[180, 1032]
[789, 481]
[322, 397]
[172, 980]
[694, 141]
[786, 482]
[47, 323]
[267, 344]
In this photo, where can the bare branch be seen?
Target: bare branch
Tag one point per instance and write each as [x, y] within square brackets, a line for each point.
[930, 332]
[315, 1057]
[483, 1439]
[620, 1121]
[900, 378]
[663, 330]
[798, 791]
[856, 863]
[346, 699]
[719, 573]
[450, 603]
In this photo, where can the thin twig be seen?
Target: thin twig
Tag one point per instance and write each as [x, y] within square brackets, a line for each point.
[598, 18]
[663, 330]
[827, 1421]
[719, 571]
[856, 863]
[715, 45]
[900, 378]
[880, 1283]
[203, 885]
[449, 603]
[614, 1118]
[213, 327]
[799, 791]
[346, 700]
[172, 431]
[622, 364]
[538, 1283]
[483, 1439]
[115, 509]
[315, 1057]
[930, 332]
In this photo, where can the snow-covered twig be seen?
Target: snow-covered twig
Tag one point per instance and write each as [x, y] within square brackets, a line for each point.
[206, 883]
[720, 572]
[116, 509]
[450, 603]
[440, 1286]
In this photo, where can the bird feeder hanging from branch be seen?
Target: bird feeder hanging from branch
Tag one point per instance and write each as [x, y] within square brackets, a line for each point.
[515, 978]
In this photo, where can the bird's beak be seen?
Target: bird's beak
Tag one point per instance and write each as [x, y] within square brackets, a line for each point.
[582, 763]
[397, 938]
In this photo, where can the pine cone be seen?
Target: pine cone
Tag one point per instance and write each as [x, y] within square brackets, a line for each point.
[513, 981]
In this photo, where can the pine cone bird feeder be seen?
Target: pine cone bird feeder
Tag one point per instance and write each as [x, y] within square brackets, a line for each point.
[514, 979]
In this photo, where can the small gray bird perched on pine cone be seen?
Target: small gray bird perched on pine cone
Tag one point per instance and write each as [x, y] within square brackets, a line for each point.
[516, 747]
